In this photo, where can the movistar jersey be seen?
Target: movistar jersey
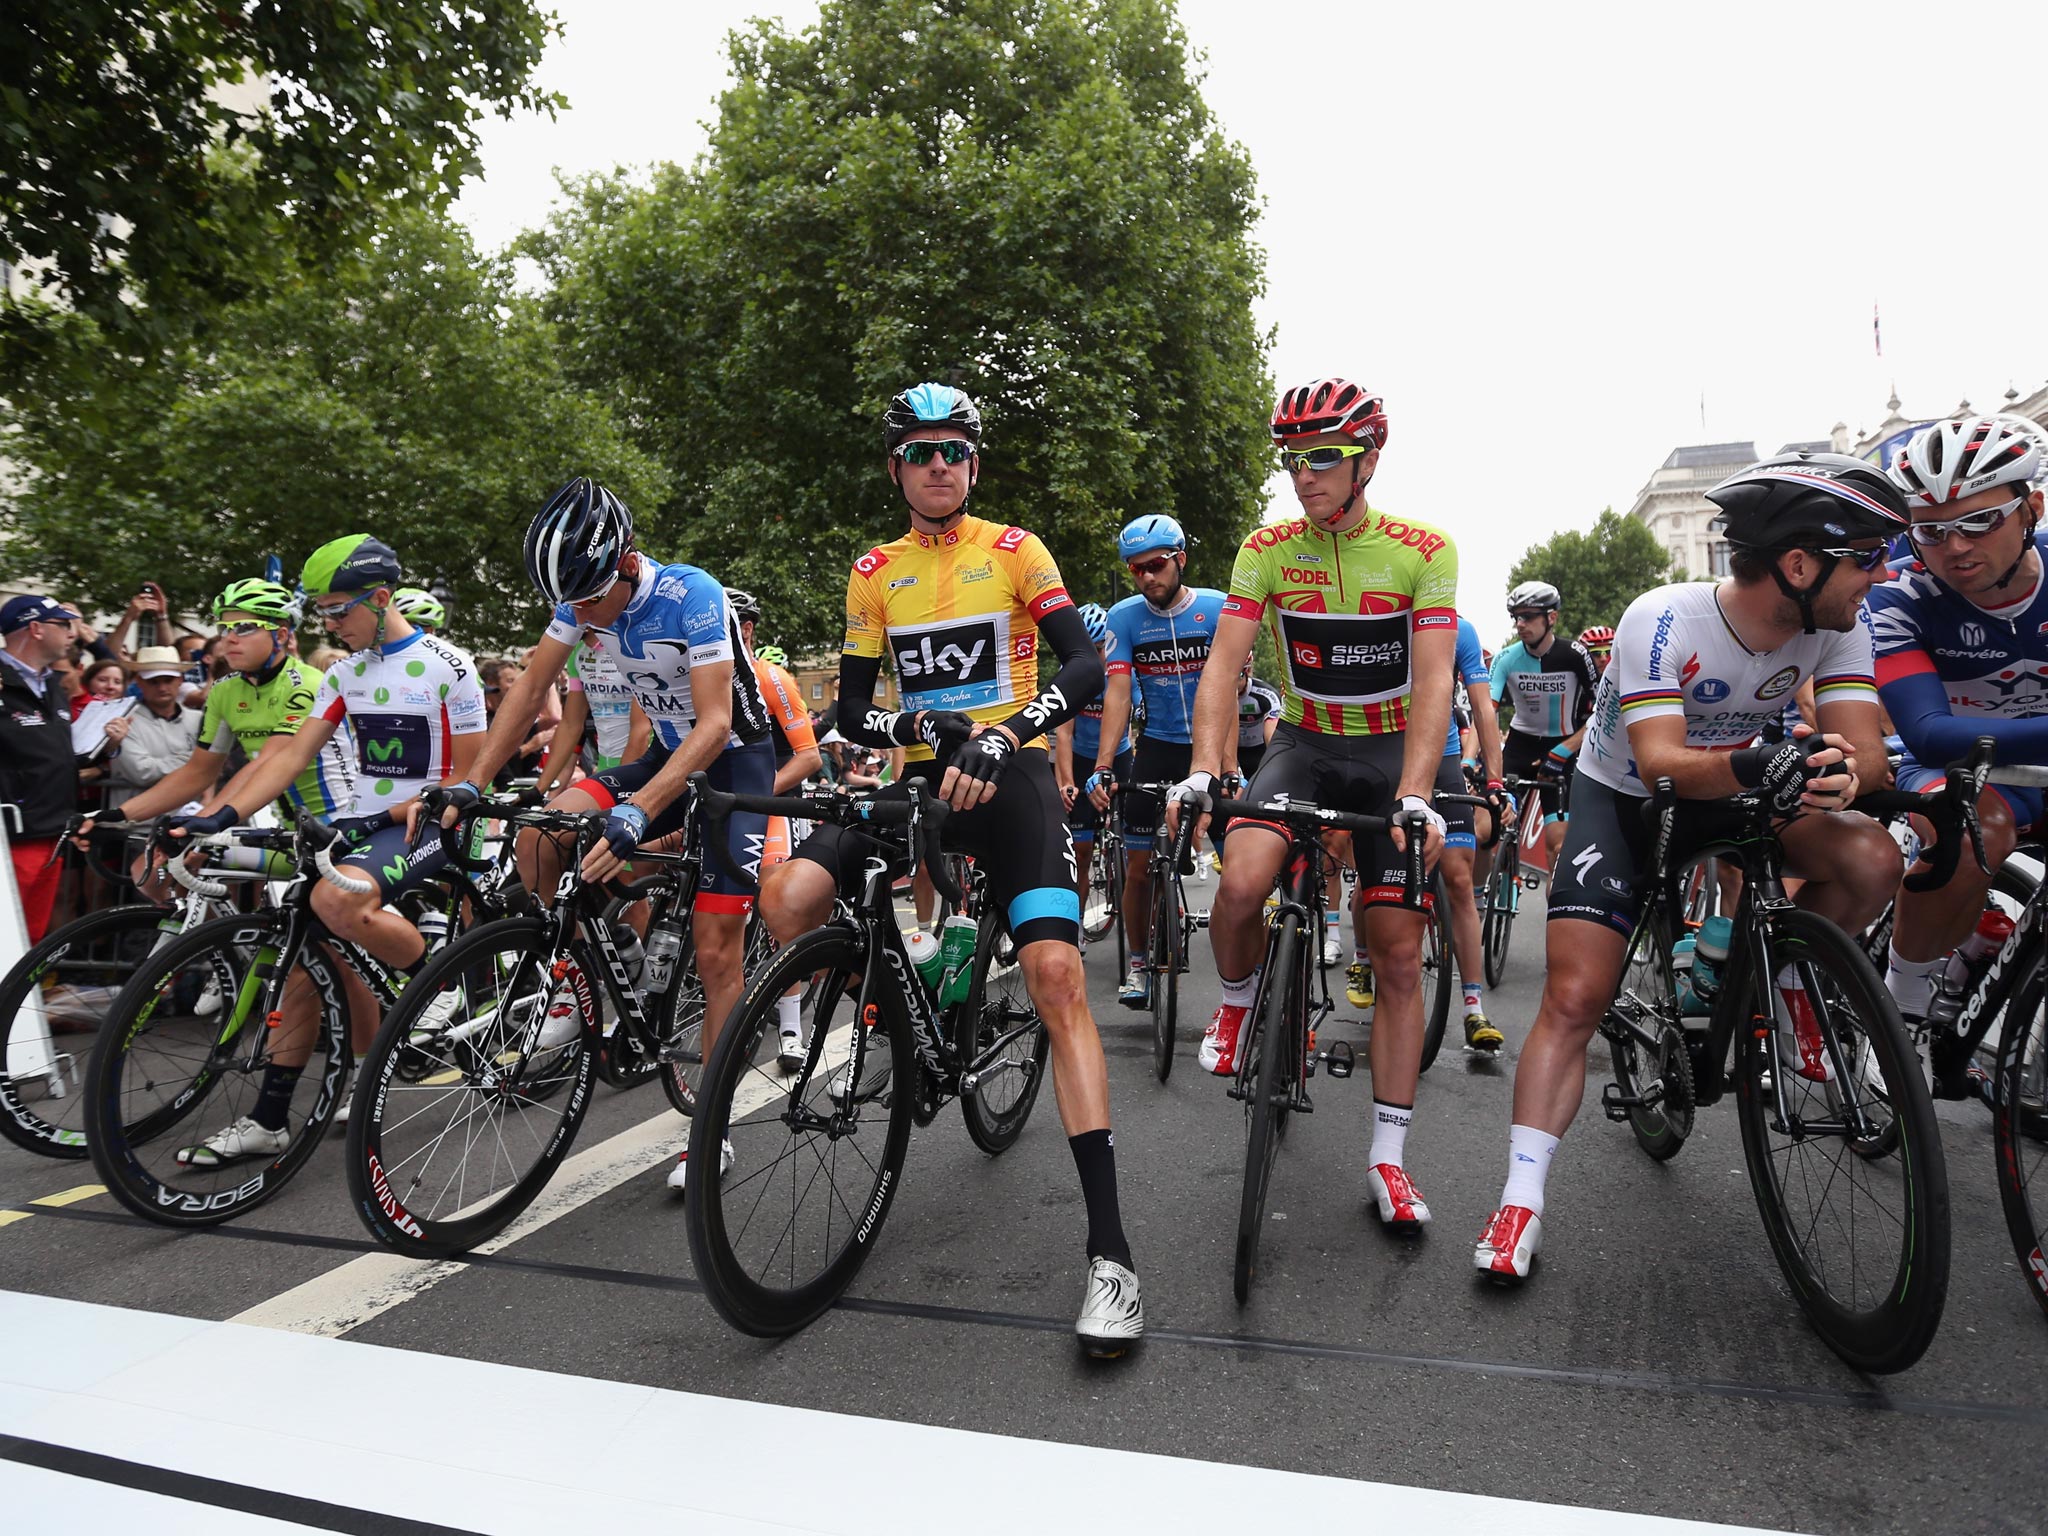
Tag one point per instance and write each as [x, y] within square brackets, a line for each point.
[678, 618]
[1950, 670]
[957, 614]
[1552, 693]
[1470, 672]
[1344, 610]
[405, 704]
[1675, 654]
[240, 708]
[1162, 651]
[594, 675]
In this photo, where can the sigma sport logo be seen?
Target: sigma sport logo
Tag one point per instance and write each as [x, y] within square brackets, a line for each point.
[1383, 654]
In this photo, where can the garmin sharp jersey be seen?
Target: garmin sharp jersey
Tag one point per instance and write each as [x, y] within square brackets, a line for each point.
[1088, 731]
[1552, 693]
[1469, 671]
[957, 614]
[1344, 610]
[405, 704]
[593, 674]
[1163, 653]
[678, 618]
[1259, 703]
[1939, 654]
[788, 721]
[1675, 654]
[242, 709]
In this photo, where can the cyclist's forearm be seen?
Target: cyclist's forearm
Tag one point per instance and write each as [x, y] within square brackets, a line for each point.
[1116, 716]
[1215, 719]
[699, 749]
[791, 775]
[188, 781]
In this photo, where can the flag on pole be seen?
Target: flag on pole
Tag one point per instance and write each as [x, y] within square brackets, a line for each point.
[1876, 335]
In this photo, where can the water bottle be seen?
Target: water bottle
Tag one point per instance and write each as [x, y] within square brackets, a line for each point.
[1971, 957]
[664, 948]
[1682, 962]
[433, 928]
[927, 957]
[956, 959]
[631, 955]
[1710, 955]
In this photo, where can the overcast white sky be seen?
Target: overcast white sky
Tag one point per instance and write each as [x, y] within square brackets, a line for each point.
[1543, 232]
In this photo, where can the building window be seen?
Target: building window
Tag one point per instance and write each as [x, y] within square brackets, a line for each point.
[817, 690]
[1717, 557]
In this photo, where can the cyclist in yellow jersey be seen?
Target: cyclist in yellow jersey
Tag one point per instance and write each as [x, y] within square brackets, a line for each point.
[959, 605]
[1364, 608]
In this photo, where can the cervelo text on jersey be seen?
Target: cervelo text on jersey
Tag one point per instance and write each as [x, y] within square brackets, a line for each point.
[1987, 663]
[405, 704]
[246, 710]
[957, 614]
[1552, 693]
[1163, 651]
[678, 618]
[1675, 654]
[1344, 609]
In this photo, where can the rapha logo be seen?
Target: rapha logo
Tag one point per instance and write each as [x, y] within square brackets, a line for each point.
[1971, 635]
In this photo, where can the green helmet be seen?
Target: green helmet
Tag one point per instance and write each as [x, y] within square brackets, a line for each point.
[420, 607]
[355, 562]
[260, 598]
[774, 655]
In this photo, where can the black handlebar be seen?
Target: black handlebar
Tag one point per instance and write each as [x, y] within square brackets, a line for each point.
[922, 813]
[1302, 817]
[1951, 810]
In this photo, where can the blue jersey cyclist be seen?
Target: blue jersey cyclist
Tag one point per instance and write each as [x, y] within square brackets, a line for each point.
[959, 605]
[675, 642]
[1075, 762]
[1548, 680]
[1962, 652]
[1158, 642]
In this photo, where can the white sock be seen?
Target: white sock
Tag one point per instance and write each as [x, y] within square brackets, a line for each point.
[1239, 994]
[1389, 1134]
[789, 1019]
[1529, 1155]
[1474, 999]
[1911, 982]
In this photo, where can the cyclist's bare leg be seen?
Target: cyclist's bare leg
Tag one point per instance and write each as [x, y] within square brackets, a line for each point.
[1084, 856]
[1850, 866]
[1395, 937]
[1138, 899]
[1553, 839]
[1456, 870]
[362, 919]
[540, 858]
[924, 896]
[1080, 1075]
[721, 939]
[1932, 923]
[1237, 930]
[796, 896]
[1582, 969]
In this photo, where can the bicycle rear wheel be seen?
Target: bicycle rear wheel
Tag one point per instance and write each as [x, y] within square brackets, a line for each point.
[779, 1238]
[1267, 1079]
[1001, 1014]
[461, 1115]
[1646, 1007]
[52, 1004]
[1167, 940]
[1499, 926]
[168, 1072]
[1437, 981]
[1862, 1237]
[2021, 1113]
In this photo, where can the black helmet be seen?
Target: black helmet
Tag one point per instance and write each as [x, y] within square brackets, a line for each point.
[744, 604]
[575, 543]
[1808, 500]
[930, 405]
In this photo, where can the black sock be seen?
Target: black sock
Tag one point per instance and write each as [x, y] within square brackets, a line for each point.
[274, 1099]
[1095, 1160]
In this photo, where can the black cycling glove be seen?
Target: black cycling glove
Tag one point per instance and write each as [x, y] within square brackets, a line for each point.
[984, 759]
[1781, 771]
[940, 729]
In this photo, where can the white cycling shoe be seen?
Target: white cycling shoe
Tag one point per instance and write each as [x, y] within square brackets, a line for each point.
[244, 1139]
[1112, 1314]
[678, 1174]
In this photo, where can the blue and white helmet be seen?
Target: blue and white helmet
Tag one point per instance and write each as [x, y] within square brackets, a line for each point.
[1155, 530]
[1096, 622]
[930, 405]
[575, 543]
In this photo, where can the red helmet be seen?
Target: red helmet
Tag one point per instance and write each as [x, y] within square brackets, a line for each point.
[1598, 638]
[1330, 405]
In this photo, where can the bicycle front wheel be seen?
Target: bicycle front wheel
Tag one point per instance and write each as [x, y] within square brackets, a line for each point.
[181, 1064]
[1165, 967]
[52, 1005]
[1647, 1045]
[817, 1157]
[2021, 1112]
[1862, 1236]
[472, 1094]
[1008, 1050]
[682, 1034]
[1437, 981]
[1267, 1081]
[1499, 926]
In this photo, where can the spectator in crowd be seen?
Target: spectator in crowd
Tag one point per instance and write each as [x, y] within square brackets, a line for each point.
[159, 736]
[38, 775]
[99, 679]
[324, 656]
[149, 601]
[498, 675]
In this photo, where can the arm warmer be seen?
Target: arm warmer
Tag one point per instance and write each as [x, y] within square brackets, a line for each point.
[1919, 709]
[860, 720]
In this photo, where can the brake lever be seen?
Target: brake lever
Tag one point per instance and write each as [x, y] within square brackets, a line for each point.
[1417, 826]
[927, 822]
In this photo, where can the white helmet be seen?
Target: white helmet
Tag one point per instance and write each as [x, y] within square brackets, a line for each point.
[1534, 594]
[1954, 459]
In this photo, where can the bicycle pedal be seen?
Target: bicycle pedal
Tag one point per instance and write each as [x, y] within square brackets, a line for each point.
[1340, 1058]
[1617, 1104]
[1201, 920]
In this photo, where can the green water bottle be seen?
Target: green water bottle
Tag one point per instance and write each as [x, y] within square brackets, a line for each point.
[956, 959]
[926, 958]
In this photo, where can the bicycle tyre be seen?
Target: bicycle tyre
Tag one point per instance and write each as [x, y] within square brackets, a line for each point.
[993, 1010]
[1437, 980]
[124, 1137]
[1500, 913]
[25, 1111]
[1165, 968]
[747, 1301]
[2020, 1115]
[497, 975]
[1886, 1324]
[1651, 987]
[1275, 1039]
[1101, 887]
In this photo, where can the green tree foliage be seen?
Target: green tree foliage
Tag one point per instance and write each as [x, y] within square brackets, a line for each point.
[415, 394]
[1026, 198]
[1600, 572]
[153, 151]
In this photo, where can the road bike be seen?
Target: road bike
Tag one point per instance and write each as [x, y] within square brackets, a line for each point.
[1168, 930]
[1515, 868]
[1102, 904]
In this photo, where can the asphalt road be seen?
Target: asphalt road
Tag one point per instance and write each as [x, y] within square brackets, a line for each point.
[1655, 1364]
